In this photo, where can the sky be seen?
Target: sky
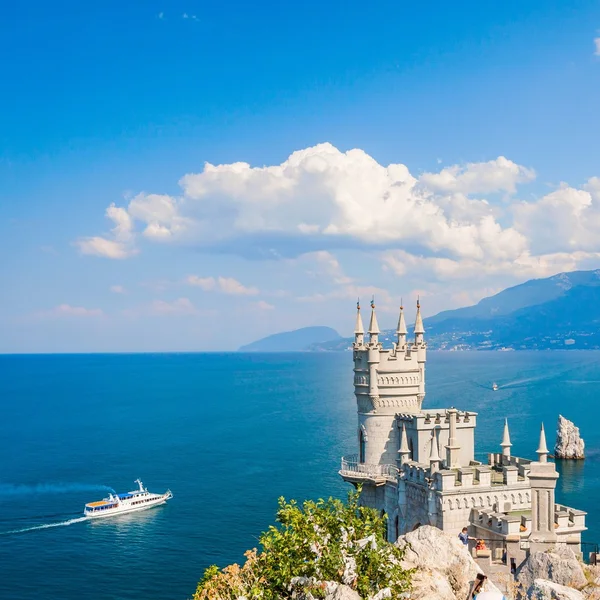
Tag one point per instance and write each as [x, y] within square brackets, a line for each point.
[192, 176]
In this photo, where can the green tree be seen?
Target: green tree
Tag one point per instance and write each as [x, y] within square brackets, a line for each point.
[326, 540]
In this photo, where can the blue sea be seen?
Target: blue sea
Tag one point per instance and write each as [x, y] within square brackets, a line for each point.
[229, 434]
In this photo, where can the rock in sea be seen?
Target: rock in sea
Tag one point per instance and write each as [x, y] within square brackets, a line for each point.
[569, 444]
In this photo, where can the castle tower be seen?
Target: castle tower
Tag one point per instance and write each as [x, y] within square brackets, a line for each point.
[542, 478]
[387, 381]
[506, 445]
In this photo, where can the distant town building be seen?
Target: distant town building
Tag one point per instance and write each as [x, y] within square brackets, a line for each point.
[418, 466]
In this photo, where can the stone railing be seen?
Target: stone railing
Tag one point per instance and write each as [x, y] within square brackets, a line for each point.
[352, 468]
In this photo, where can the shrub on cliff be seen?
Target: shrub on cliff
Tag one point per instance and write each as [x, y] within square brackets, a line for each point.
[313, 544]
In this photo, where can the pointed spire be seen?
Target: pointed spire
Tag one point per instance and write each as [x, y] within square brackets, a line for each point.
[401, 330]
[434, 455]
[419, 329]
[542, 450]
[506, 445]
[373, 325]
[359, 330]
[404, 451]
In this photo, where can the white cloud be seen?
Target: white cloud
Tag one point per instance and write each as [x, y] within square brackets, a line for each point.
[322, 200]
[181, 306]
[322, 197]
[326, 265]
[119, 245]
[597, 46]
[565, 220]
[225, 285]
[500, 175]
[117, 289]
[264, 305]
[66, 310]
[524, 267]
[208, 284]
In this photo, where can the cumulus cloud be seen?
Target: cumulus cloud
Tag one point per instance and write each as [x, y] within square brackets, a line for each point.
[565, 220]
[479, 178]
[597, 46]
[66, 310]
[120, 242]
[320, 200]
[225, 285]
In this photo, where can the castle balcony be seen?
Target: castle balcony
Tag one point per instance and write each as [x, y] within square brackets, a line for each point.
[354, 471]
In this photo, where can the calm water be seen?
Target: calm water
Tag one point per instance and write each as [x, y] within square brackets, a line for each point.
[228, 434]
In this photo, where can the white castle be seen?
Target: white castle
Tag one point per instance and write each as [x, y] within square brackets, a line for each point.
[418, 466]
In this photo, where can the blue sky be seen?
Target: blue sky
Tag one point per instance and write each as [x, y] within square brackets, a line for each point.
[447, 150]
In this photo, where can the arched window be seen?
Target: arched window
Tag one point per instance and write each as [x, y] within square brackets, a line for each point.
[362, 446]
[410, 447]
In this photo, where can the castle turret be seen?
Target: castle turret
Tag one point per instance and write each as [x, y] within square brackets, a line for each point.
[373, 326]
[419, 329]
[506, 445]
[404, 452]
[359, 330]
[421, 349]
[373, 358]
[542, 450]
[542, 477]
[401, 330]
[452, 449]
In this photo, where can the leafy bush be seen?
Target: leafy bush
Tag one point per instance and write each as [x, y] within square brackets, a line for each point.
[319, 542]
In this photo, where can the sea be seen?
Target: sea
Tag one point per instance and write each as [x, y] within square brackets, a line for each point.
[228, 434]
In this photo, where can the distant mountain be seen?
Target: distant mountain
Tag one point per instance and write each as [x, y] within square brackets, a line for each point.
[300, 340]
[562, 311]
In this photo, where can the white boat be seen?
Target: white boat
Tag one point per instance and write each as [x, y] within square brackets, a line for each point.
[117, 504]
[494, 386]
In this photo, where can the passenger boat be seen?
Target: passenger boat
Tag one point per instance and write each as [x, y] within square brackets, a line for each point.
[494, 386]
[117, 504]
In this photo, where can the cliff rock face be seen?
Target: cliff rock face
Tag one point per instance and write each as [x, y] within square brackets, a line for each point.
[568, 441]
[548, 590]
[445, 569]
[559, 565]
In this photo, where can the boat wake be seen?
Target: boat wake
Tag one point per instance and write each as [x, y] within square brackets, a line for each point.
[11, 489]
[45, 526]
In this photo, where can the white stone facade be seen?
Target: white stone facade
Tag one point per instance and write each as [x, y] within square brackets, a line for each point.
[418, 466]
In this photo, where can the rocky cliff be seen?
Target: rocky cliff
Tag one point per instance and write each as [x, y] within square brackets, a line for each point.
[569, 444]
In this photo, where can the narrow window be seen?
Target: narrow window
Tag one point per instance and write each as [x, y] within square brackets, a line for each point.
[361, 446]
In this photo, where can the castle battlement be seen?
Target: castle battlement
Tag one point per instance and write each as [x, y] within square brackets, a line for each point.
[418, 465]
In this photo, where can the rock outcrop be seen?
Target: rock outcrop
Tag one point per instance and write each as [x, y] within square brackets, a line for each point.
[569, 444]
[541, 589]
[444, 568]
[558, 565]
[341, 592]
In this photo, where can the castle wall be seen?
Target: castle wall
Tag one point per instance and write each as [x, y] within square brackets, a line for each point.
[384, 499]
[419, 428]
